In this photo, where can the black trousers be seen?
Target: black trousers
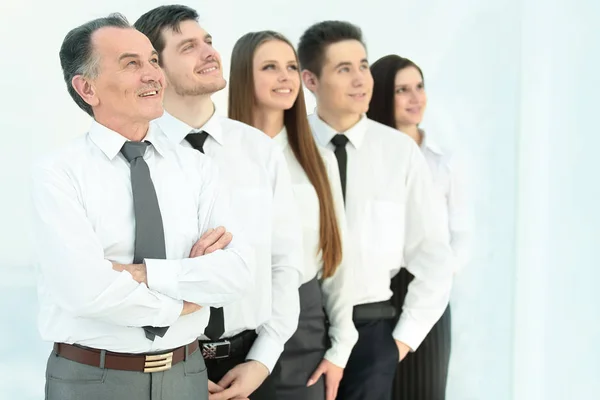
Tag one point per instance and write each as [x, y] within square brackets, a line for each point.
[422, 375]
[371, 368]
[305, 349]
[218, 368]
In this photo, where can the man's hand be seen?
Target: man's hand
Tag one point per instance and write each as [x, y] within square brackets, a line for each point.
[214, 388]
[212, 240]
[241, 381]
[189, 308]
[403, 350]
[333, 376]
[137, 271]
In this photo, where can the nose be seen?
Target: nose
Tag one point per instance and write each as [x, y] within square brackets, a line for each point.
[284, 75]
[414, 96]
[151, 73]
[208, 53]
[359, 79]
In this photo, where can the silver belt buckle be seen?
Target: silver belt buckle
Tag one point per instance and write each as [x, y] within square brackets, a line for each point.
[216, 350]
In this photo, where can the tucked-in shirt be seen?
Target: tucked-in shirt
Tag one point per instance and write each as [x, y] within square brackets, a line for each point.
[337, 289]
[84, 221]
[449, 178]
[262, 203]
[392, 216]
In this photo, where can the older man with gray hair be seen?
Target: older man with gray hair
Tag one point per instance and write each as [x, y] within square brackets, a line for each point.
[130, 234]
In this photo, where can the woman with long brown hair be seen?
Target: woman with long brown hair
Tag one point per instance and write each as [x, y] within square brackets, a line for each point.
[265, 92]
[399, 101]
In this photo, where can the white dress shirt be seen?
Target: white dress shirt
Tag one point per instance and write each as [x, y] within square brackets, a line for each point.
[449, 179]
[337, 289]
[391, 217]
[84, 219]
[263, 204]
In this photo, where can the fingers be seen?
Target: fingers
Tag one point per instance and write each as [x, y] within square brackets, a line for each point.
[228, 379]
[331, 387]
[316, 375]
[213, 387]
[118, 267]
[207, 240]
[189, 308]
[220, 244]
[227, 394]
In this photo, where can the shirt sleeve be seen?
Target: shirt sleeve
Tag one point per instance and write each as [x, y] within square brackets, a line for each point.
[215, 279]
[286, 265]
[338, 289]
[71, 260]
[427, 256]
[460, 213]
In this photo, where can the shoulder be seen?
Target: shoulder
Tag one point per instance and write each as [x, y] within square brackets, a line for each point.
[73, 155]
[388, 135]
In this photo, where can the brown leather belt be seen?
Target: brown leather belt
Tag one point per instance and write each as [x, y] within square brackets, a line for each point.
[125, 361]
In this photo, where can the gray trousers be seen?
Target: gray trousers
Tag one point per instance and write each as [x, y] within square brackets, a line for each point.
[69, 380]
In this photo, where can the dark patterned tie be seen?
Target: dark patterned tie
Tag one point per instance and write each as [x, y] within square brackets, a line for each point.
[216, 323]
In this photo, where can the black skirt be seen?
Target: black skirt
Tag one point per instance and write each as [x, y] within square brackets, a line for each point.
[422, 375]
[305, 349]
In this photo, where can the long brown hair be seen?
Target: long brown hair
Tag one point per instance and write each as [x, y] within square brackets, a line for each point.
[241, 101]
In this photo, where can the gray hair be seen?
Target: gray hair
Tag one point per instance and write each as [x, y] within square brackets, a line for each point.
[77, 56]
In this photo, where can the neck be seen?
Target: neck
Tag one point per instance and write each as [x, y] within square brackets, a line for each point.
[134, 131]
[268, 121]
[193, 110]
[412, 131]
[340, 122]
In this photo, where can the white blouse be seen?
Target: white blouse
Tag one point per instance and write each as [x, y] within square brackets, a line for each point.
[449, 178]
[337, 290]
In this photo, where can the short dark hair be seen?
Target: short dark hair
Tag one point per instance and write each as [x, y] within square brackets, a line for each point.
[314, 42]
[77, 55]
[384, 70]
[154, 21]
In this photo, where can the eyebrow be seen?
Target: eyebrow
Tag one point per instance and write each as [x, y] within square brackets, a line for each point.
[135, 55]
[275, 62]
[348, 63]
[128, 55]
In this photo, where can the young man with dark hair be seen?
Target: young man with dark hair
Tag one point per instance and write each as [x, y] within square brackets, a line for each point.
[241, 355]
[390, 208]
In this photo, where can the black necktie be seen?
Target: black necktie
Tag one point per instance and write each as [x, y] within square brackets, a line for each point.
[149, 232]
[216, 323]
[197, 140]
[340, 141]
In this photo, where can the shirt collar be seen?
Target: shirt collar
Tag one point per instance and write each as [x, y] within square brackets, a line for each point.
[176, 130]
[281, 139]
[111, 142]
[428, 143]
[325, 133]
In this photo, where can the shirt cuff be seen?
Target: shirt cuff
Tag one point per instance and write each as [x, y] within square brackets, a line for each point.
[338, 354]
[170, 313]
[162, 276]
[265, 350]
[410, 332]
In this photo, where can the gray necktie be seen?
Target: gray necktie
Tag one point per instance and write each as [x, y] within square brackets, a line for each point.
[149, 233]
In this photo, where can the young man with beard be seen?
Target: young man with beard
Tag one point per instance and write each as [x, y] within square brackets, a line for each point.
[243, 341]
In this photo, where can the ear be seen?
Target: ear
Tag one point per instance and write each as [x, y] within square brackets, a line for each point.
[310, 80]
[85, 89]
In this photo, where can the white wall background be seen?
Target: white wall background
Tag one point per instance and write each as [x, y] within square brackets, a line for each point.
[511, 83]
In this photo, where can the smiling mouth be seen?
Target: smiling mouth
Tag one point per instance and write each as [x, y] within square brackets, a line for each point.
[358, 95]
[208, 70]
[283, 91]
[149, 93]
